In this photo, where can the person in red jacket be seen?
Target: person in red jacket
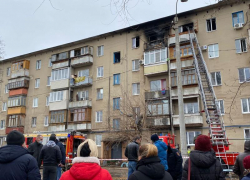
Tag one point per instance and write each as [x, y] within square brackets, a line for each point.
[86, 165]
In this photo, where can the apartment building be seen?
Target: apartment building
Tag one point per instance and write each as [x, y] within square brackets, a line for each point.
[117, 84]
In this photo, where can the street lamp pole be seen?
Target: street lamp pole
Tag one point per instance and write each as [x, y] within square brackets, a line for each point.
[183, 135]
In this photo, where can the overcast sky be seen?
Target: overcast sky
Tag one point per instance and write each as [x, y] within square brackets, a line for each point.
[26, 28]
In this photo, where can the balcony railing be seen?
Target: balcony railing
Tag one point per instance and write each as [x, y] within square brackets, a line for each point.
[190, 120]
[79, 104]
[81, 82]
[156, 95]
[164, 121]
[59, 84]
[183, 37]
[18, 83]
[153, 45]
[84, 60]
[86, 126]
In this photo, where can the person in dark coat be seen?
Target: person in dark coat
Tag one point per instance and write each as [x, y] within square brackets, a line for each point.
[15, 161]
[51, 157]
[174, 163]
[238, 166]
[246, 163]
[36, 147]
[204, 164]
[149, 166]
[162, 150]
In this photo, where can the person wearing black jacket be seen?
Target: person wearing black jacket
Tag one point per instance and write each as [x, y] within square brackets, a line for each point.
[36, 147]
[174, 163]
[51, 157]
[15, 161]
[149, 167]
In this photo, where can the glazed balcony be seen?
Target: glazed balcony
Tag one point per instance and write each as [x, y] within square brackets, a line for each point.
[15, 122]
[59, 84]
[16, 110]
[16, 92]
[20, 69]
[156, 69]
[190, 120]
[18, 83]
[80, 126]
[79, 104]
[80, 61]
[59, 100]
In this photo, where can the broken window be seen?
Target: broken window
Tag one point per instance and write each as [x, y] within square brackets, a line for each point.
[136, 42]
[211, 24]
[216, 78]
[152, 38]
[77, 52]
[241, 45]
[185, 27]
[117, 57]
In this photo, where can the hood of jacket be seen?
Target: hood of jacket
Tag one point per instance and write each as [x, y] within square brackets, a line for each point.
[151, 167]
[51, 144]
[203, 159]
[85, 168]
[11, 152]
[247, 146]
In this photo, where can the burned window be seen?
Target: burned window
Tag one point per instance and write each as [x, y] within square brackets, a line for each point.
[77, 52]
[184, 28]
[136, 42]
[117, 57]
[211, 24]
[153, 38]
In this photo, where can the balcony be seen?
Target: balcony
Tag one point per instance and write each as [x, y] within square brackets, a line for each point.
[9, 129]
[156, 95]
[156, 69]
[190, 120]
[189, 91]
[60, 65]
[183, 37]
[59, 84]
[20, 73]
[16, 110]
[81, 61]
[82, 126]
[80, 104]
[81, 82]
[157, 44]
[184, 64]
[55, 128]
[159, 121]
[18, 83]
[62, 104]
[16, 92]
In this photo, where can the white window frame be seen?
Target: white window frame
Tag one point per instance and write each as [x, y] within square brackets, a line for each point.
[198, 132]
[83, 95]
[47, 101]
[99, 92]
[99, 116]
[245, 80]
[215, 80]
[37, 83]
[59, 74]
[210, 21]
[151, 56]
[193, 109]
[50, 63]
[38, 64]
[248, 106]
[8, 71]
[99, 141]
[157, 89]
[6, 89]
[211, 48]
[245, 134]
[134, 65]
[100, 71]
[221, 100]
[56, 96]
[46, 121]
[137, 87]
[2, 125]
[35, 102]
[4, 106]
[241, 41]
[101, 52]
[33, 121]
[48, 80]
[134, 42]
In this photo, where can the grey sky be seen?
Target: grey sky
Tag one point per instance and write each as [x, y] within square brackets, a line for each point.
[24, 31]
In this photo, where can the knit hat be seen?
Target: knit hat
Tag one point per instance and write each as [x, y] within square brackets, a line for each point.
[15, 138]
[202, 143]
[87, 148]
[246, 162]
[52, 137]
[154, 137]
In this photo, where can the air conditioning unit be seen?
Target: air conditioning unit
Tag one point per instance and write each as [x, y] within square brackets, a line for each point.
[204, 48]
[238, 26]
[141, 62]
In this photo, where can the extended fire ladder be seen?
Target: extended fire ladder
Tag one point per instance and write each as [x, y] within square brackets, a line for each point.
[213, 115]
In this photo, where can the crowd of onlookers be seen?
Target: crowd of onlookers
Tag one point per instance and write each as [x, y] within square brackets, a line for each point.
[155, 161]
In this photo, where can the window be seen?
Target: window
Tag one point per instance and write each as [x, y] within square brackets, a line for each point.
[57, 116]
[158, 85]
[56, 96]
[35, 102]
[59, 74]
[221, 106]
[241, 45]
[4, 108]
[83, 95]
[17, 101]
[238, 18]
[99, 93]
[184, 51]
[98, 140]
[185, 27]
[33, 122]
[100, 51]
[117, 57]
[211, 24]
[136, 88]
[85, 50]
[6, 89]
[158, 107]
[216, 78]
[46, 121]
[156, 56]
[136, 65]
[100, 71]
[78, 114]
[116, 79]
[191, 108]
[116, 103]
[136, 114]
[213, 51]
[83, 73]
[245, 104]
[244, 74]
[60, 56]
[98, 116]
[50, 63]
[37, 83]
[116, 124]
[191, 136]
[48, 80]
[188, 77]
[38, 64]
[136, 42]
[2, 124]
[8, 71]
[247, 134]
[47, 100]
